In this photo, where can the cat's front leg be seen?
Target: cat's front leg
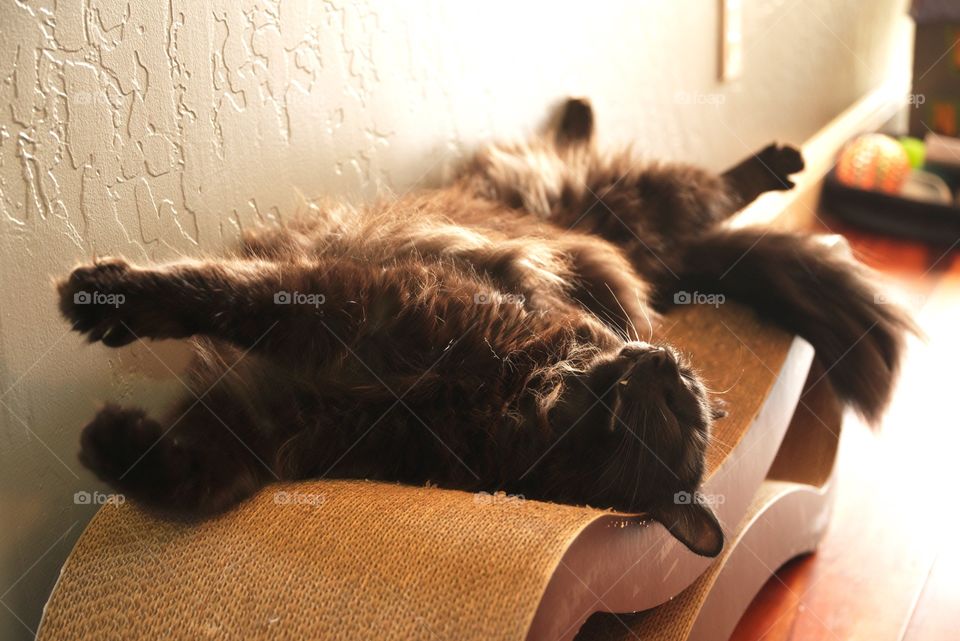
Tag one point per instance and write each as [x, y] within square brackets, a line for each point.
[193, 465]
[116, 303]
[94, 300]
[304, 313]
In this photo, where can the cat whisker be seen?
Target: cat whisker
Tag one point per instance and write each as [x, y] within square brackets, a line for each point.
[722, 392]
[636, 334]
[646, 315]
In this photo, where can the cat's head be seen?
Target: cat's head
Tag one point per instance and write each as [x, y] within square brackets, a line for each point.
[644, 418]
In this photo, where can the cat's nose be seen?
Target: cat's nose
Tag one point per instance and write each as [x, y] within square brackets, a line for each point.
[657, 361]
[650, 362]
[660, 359]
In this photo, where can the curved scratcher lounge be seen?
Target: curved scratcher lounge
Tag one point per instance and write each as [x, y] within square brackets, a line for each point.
[360, 560]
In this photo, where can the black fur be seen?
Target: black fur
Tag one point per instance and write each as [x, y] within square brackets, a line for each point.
[489, 335]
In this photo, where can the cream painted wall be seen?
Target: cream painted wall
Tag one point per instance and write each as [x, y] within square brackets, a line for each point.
[154, 129]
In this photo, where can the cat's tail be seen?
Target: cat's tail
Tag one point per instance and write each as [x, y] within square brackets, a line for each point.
[808, 288]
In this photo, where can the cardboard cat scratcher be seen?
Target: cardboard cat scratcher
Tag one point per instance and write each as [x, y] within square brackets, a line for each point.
[357, 560]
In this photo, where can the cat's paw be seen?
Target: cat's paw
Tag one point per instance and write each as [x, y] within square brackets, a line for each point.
[93, 299]
[179, 475]
[779, 162]
[576, 123]
[117, 441]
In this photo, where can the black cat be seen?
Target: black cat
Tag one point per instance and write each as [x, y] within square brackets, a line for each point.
[493, 334]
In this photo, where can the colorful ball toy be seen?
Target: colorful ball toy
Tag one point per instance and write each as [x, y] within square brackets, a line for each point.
[874, 161]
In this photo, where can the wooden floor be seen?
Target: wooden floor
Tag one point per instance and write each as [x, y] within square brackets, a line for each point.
[889, 567]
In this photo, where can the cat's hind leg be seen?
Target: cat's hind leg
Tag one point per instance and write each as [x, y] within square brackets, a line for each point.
[641, 206]
[767, 170]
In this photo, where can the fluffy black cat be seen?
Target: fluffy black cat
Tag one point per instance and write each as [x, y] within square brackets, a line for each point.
[484, 336]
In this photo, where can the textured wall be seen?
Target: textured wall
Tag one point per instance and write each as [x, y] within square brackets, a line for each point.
[155, 129]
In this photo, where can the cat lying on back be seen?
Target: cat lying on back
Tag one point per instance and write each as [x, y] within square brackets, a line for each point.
[490, 335]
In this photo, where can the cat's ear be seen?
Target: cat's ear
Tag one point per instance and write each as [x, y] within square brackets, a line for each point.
[692, 523]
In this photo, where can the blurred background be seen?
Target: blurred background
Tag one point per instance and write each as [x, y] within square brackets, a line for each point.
[158, 130]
